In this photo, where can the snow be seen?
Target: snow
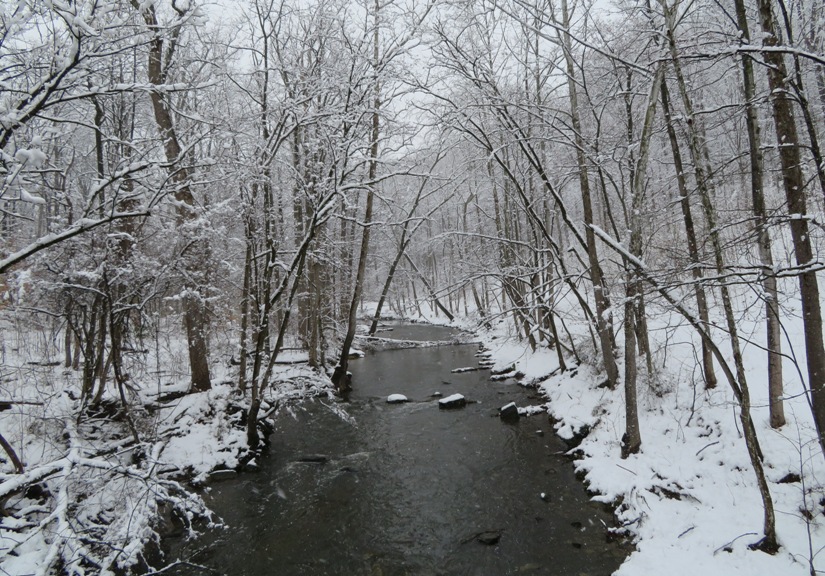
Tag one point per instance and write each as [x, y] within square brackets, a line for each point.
[205, 443]
[104, 493]
[451, 398]
[689, 499]
[396, 398]
[33, 158]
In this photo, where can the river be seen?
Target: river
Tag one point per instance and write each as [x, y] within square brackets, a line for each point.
[410, 488]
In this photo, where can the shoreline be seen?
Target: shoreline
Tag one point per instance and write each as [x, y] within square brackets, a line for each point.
[691, 520]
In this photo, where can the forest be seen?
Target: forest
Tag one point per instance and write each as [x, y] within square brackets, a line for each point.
[215, 203]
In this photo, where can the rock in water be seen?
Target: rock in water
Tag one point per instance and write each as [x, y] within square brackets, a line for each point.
[221, 475]
[509, 413]
[454, 401]
[490, 538]
[396, 399]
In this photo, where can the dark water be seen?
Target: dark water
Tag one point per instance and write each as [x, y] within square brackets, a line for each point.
[406, 489]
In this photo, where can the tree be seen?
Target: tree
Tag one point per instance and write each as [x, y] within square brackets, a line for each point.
[600, 290]
[195, 263]
[793, 182]
[763, 240]
[381, 59]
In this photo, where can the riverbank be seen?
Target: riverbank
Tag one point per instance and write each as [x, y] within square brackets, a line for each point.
[100, 485]
[689, 500]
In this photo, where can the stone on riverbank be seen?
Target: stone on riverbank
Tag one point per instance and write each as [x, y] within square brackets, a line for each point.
[454, 401]
[396, 399]
[509, 413]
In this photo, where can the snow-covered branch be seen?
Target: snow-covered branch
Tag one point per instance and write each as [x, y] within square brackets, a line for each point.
[51, 239]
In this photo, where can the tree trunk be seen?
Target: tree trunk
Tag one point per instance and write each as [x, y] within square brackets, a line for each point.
[429, 288]
[403, 243]
[340, 375]
[797, 83]
[632, 439]
[692, 243]
[793, 181]
[699, 154]
[763, 239]
[599, 287]
[245, 297]
[195, 314]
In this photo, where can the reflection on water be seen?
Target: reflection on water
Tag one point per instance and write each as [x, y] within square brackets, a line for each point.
[409, 487]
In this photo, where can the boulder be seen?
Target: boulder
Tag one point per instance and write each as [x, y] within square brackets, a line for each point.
[509, 412]
[396, 399]
[454, 401]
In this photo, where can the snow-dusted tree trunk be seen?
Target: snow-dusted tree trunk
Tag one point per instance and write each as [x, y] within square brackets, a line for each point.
[697, 144]
[196, 252]
[632, 439]
[339, 376]
[793, 181]
[690, 233]
[773, 325]
[600, 291]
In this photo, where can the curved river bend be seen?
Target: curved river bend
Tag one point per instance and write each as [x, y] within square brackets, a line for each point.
[408, 488]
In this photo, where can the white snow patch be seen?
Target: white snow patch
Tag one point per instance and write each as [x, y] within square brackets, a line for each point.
[452, 398]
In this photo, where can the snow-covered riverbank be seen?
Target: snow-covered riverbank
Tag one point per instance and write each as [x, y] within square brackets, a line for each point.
[689, 500]
[98, 485]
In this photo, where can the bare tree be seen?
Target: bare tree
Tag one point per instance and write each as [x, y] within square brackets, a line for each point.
[195, 247]
[794, 184]
[763, 240]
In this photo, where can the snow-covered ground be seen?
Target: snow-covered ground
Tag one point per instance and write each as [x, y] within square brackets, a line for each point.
[690, 500]
[97, 493]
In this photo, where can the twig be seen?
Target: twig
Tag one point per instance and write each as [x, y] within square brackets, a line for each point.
[708, 446]
[734, 540]
[21, 402]
[165, 569]
[626, 470]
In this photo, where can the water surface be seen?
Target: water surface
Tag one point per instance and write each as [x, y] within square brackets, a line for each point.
[409, 488]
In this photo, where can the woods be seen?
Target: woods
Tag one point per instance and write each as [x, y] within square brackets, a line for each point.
[194, 195]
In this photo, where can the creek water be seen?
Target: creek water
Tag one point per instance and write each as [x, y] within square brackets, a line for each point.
[409, 488]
